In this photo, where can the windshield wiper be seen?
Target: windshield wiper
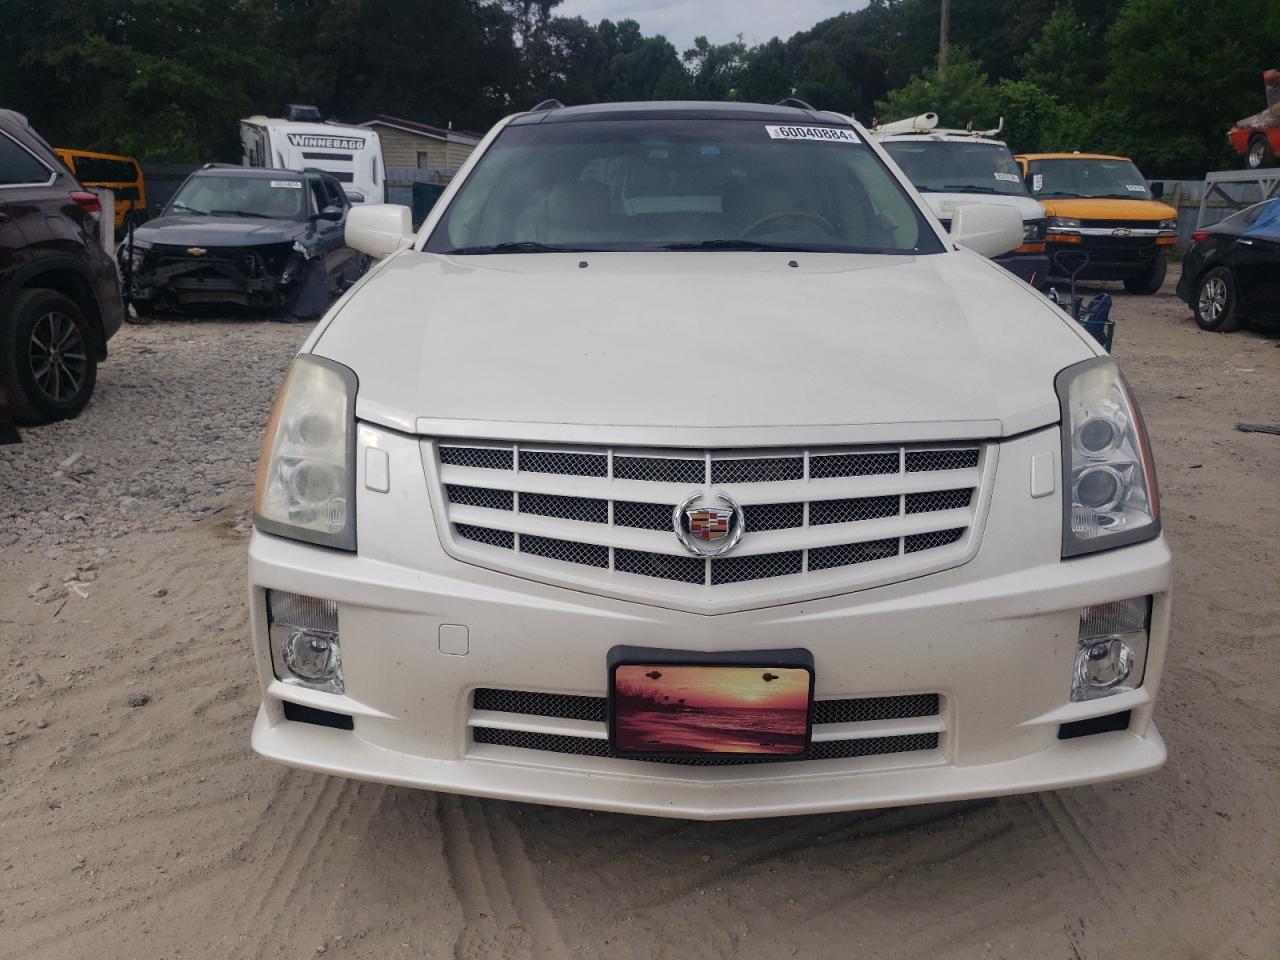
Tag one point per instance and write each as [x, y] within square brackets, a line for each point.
[239, 213]
[178, 203]
[512, 246]
[736, 244]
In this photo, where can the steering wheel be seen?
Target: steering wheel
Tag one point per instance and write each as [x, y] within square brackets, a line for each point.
[788, 214]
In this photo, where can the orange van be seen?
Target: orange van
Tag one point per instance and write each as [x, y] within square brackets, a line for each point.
[1102, 205]
[118, 173]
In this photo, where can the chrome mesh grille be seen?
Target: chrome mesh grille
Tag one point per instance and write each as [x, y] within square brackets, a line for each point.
[822, 512]
[922, 460]
[929, 541]
[826, 466]
[566, 551]
[663, 566]
[845, 555]
[567, 464]
[563, 504]
[494, 538]
[773, 516]
[480, 497]
[481, 458]
[936, 500]
[659, 469]
[758, 566]
[757, 470]
[583, 509]
[642, 516]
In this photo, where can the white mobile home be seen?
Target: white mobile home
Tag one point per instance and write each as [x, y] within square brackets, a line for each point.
[352, 154]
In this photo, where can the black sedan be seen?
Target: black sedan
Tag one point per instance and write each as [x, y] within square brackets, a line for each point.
[265, 239]
[1231, 273]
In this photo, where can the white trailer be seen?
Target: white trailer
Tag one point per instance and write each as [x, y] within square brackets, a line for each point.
[352, 154]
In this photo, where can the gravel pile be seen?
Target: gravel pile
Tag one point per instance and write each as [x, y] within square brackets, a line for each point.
[173, 428]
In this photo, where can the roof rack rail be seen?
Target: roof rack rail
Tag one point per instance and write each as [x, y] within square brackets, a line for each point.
[549, 104]
[794, 102]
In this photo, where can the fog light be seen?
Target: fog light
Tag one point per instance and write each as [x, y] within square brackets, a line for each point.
[1111, 650]
[304, 641]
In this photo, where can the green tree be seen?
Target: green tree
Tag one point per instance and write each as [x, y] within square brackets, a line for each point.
[716, 69]
[648, 70]
[165, 78]
[1034, 120]
[963, 96]
[1056, 60]
[1180, 75]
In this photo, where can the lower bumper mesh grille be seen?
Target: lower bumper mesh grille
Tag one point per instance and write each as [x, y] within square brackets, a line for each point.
[595, 709]
[568, 706]
[591, 747]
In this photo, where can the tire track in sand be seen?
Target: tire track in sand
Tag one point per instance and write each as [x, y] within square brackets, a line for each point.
[504, 914]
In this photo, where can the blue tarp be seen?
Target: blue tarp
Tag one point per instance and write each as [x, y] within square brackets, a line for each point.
[1267, 222]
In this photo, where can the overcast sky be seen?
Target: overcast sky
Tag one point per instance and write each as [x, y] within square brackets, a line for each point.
[719, 20]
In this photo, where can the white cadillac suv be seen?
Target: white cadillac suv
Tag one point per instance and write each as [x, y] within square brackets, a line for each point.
[682, 464]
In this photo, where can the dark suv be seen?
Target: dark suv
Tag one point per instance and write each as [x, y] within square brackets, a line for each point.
[262, 239]
[59, 290]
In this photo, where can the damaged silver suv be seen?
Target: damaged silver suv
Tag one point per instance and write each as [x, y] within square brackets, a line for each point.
[263, 239]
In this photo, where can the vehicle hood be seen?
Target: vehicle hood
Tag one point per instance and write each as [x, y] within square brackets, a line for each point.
[191, 230]
[944, 205]
[1084, 208]
[702, 349]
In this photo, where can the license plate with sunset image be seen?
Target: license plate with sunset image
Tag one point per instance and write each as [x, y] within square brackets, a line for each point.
[688, 708]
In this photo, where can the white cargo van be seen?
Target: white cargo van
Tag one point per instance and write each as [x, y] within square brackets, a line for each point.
[955, 168]
[352, 154]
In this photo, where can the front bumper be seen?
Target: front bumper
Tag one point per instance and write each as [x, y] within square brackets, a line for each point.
[1110, 258]
[269, 276]
[994, 638]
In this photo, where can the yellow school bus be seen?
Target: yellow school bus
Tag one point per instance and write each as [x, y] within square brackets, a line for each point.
[121, 174]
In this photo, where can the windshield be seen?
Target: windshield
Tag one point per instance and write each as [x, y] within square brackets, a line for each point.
[212, 195]
[680, 185]
[954, 166]
[1086, 177]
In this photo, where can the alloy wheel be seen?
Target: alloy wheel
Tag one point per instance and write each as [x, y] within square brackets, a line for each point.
[59, 361]
[1213, 298]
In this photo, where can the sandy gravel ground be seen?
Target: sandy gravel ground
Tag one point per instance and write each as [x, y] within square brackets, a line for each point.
[134, 821]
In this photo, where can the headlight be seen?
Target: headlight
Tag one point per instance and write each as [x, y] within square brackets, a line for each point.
[1110, 497]
[306, 472]
[1033, 231]
[1168, 224]
[139, 247]
[1064, 222]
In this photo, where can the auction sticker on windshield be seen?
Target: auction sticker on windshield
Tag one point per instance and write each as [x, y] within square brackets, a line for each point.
[823, 134]
[291, 184]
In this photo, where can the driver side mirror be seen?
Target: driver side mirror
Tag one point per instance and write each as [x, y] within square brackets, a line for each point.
[333, 213]
[379, 229]
[1157, 189]
[987, 228]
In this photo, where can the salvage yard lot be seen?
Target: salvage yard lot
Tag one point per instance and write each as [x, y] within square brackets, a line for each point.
[136, 822]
